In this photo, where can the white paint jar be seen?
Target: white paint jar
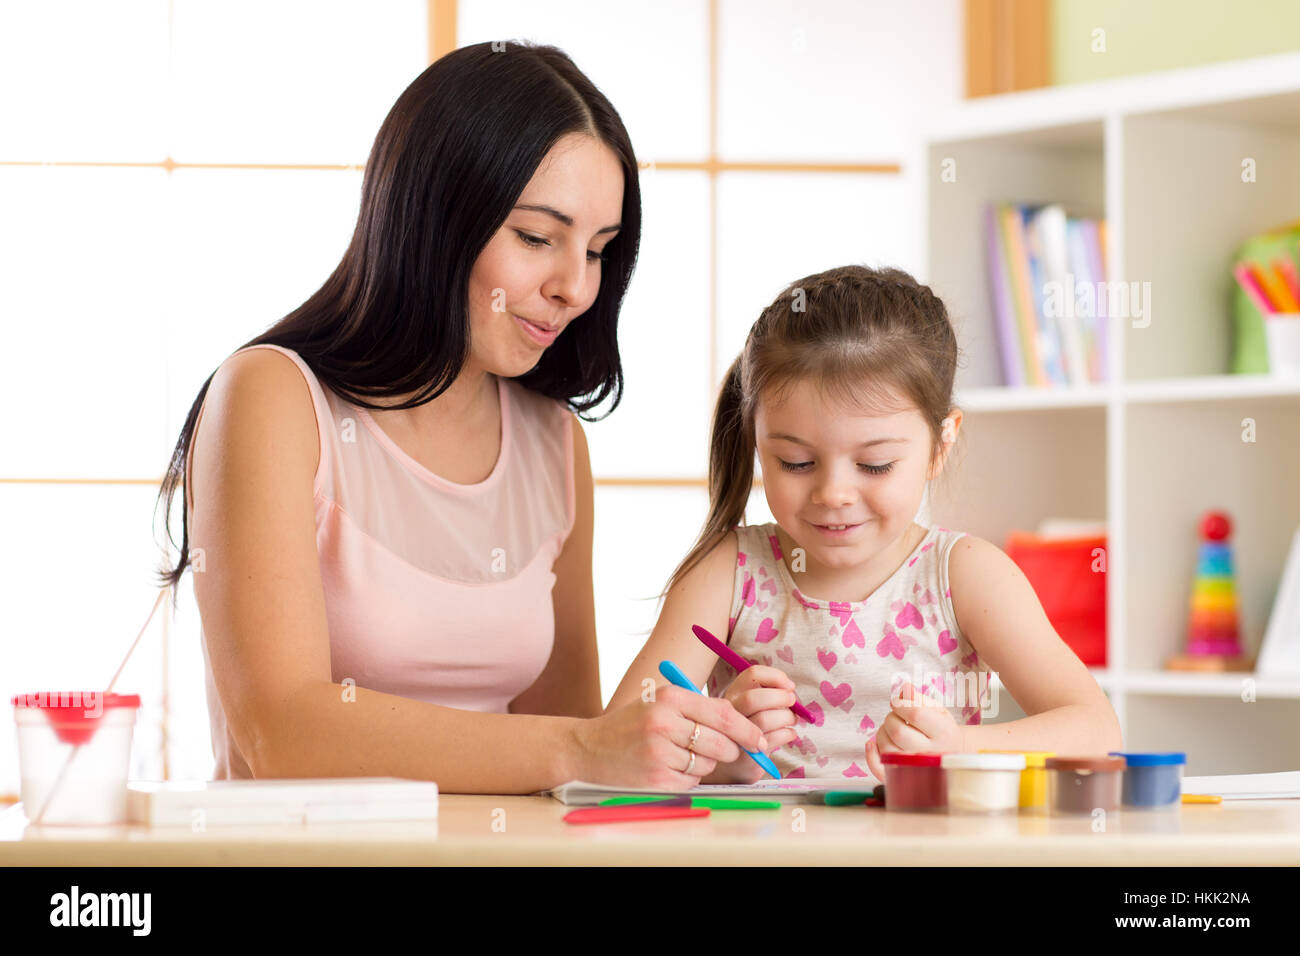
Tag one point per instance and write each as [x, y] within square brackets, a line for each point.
[983, 783]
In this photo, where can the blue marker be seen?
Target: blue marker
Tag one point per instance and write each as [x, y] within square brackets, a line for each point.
[674, 674]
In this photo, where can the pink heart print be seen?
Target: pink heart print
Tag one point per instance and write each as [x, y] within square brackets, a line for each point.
[766, 659]
[747, 590]
[776, 547]
[768, 585]
[894, 643]
[762, 571]
[823, 761]
[926, 598]
[842, 611]
[909, 616]
[827, 658]
[924, 549]
[786, 654]
[815, 709]
[853, 635]
[796, 772]
[762, 605]
[866, 724]
[855, 771]
[947, 643]
[850, 658]
[835, 695]
[804, 601]
[740, 559]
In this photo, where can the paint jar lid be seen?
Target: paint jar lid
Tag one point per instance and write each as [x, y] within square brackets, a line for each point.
[74, 715]
[911, 760]
[984, 761]
[1033, 758]
[1085, 763]
[1151, 760]
[74, 702]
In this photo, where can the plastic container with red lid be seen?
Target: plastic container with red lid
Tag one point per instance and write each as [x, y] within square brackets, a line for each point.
[915, 782]
[1084, 784]
[74, 749]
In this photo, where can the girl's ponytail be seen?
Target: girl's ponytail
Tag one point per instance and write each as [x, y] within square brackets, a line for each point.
[731, 470]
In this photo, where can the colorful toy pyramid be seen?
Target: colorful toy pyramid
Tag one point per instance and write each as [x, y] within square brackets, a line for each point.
[1213, 629]
[1213, 626]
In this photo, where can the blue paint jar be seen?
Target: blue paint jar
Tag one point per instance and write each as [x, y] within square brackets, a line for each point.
[1152, 781]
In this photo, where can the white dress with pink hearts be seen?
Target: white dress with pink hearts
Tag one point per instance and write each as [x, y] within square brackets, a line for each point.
[846, 657]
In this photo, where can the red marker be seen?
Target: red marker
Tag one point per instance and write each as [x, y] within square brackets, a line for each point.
[635, 811]
[739, 663]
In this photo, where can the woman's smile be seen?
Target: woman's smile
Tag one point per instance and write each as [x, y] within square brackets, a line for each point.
[537, 333]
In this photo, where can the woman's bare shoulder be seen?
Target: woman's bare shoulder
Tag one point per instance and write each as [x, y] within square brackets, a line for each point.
[258, 409]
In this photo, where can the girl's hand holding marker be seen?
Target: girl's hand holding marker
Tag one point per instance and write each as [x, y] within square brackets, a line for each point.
[675, 675]
[916, 723]
[764, 695]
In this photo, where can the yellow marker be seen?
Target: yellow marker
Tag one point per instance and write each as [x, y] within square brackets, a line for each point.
[1201, 798]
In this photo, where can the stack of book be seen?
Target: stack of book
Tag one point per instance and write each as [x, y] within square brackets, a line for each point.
[1048, 279]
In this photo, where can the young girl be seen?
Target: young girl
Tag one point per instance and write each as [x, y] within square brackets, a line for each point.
[887, 631]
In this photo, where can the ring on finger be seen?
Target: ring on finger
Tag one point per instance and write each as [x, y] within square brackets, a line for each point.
[695, 735]
[690, 766]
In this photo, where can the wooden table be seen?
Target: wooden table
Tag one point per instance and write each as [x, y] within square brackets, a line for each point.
[492, 830]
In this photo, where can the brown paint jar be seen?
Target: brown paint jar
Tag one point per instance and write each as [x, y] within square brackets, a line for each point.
[1084, 784]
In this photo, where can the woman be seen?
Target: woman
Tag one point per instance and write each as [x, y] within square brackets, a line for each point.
[392, 503]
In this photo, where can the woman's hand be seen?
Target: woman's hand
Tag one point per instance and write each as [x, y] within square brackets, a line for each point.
[916, 723]
[763, 695]
[644, 745]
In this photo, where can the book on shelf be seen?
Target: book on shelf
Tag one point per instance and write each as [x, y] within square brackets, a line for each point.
[1047, 279]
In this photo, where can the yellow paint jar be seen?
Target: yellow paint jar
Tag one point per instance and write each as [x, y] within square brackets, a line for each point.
[1033, 779]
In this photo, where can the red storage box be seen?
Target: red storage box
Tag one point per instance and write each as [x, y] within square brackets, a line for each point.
[1071, 592]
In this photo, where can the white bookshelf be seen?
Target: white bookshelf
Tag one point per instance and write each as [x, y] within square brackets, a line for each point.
[1159, 156]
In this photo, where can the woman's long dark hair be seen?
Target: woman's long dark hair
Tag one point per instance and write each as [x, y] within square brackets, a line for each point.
[450, 161]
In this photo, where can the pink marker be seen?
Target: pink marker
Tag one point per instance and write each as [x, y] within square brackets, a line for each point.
[1254, 291]
[739, 663]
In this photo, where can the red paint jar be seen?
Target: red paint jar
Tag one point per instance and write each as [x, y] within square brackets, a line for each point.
[915, 782]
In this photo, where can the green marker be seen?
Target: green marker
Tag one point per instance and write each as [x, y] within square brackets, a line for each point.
[738, 803]
[847, 798]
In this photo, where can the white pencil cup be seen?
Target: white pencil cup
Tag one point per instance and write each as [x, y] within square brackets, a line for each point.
[1283, 330]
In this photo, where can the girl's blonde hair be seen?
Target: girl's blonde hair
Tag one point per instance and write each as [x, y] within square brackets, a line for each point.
[861, 335]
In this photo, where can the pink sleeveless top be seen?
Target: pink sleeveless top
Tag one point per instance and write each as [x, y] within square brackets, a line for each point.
[434, 590]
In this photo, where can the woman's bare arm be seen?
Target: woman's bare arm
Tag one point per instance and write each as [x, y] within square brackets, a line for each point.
[570, 684]
[263, 608]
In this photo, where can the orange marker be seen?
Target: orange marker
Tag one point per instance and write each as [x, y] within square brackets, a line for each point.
[1201, 798]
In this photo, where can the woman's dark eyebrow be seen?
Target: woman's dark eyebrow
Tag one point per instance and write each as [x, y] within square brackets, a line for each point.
[567, 220]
